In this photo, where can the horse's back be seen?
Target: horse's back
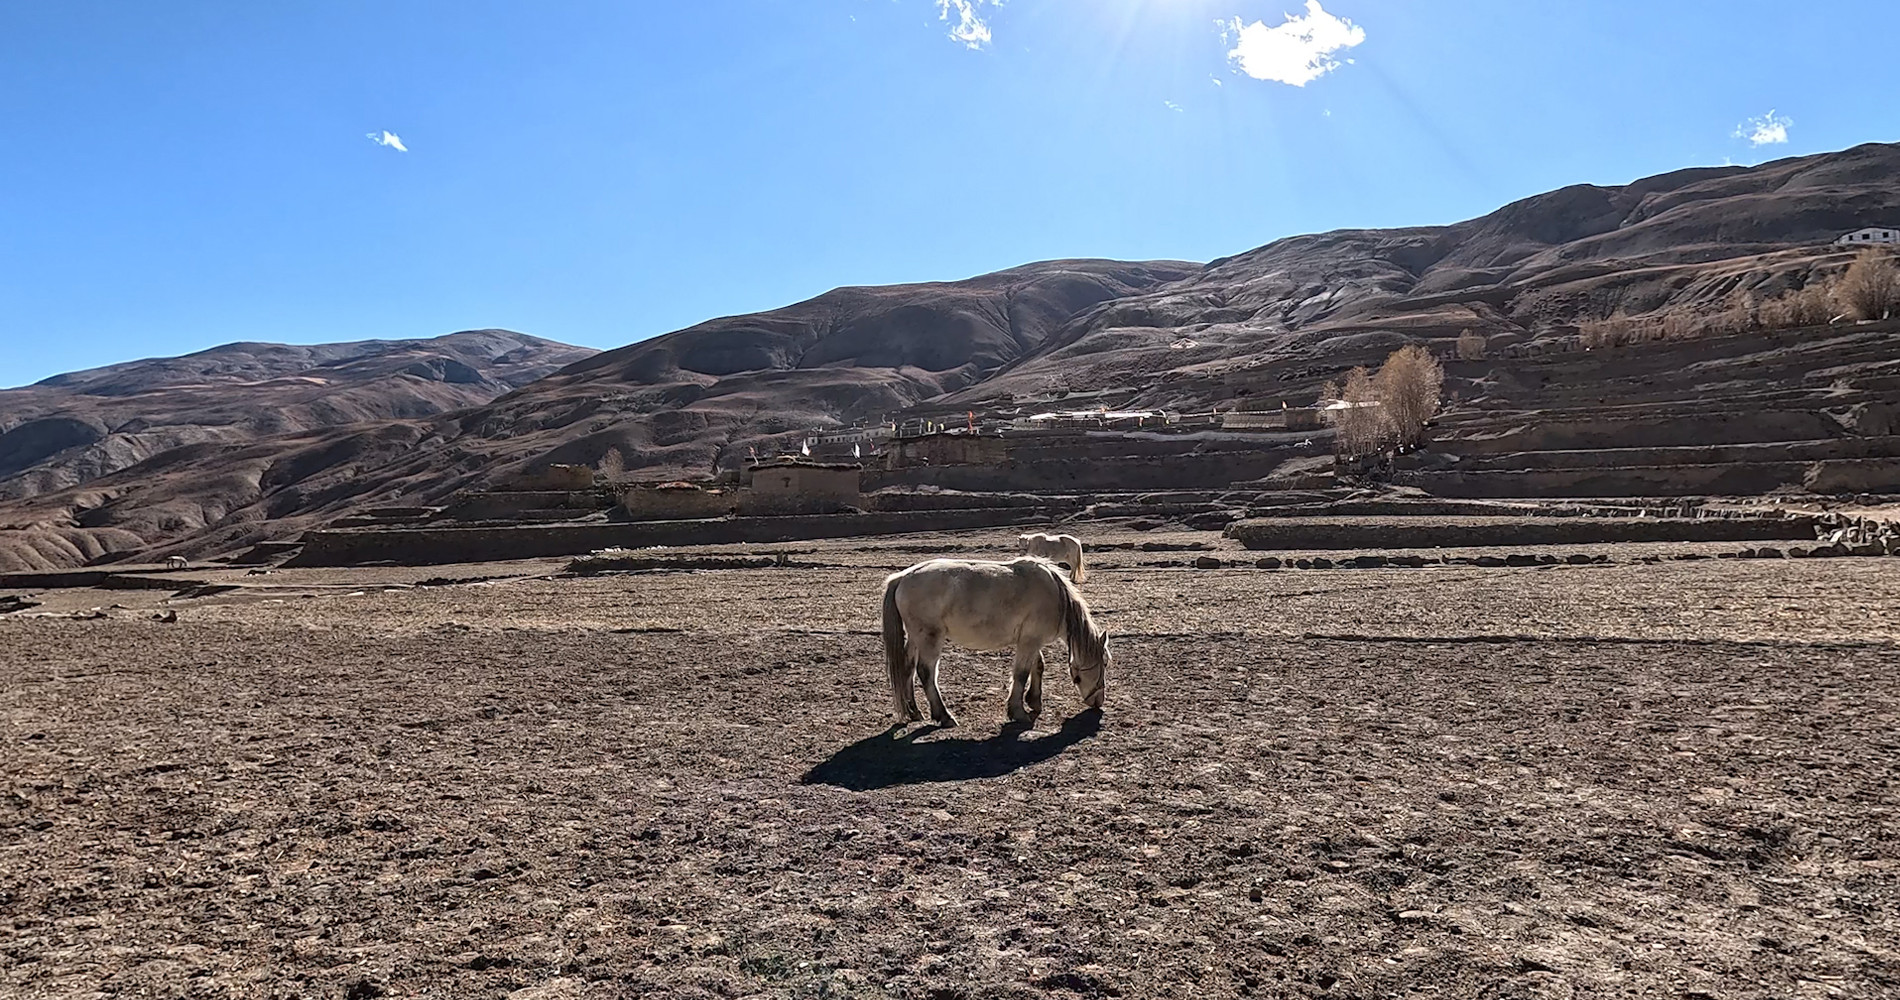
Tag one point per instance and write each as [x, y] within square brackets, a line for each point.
[981, 604]
[944, 574]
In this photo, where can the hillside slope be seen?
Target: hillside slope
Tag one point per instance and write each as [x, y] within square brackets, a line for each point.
[1271, 323]
[1309, 306]
[74, 428]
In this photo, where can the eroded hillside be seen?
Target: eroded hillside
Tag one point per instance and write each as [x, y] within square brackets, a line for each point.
[1271, 323]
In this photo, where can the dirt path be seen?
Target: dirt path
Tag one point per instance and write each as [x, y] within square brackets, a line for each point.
[1510, 783]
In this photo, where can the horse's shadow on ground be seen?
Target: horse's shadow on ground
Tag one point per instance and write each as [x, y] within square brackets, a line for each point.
[894, 757]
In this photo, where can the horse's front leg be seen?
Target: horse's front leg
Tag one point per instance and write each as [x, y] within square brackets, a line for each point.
[1034, 698]
[1022, 677]
[928, 653]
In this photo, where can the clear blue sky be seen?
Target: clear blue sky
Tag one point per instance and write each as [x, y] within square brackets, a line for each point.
[182, 174]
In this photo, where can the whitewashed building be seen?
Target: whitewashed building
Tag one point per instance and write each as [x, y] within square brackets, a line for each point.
[1871, 234]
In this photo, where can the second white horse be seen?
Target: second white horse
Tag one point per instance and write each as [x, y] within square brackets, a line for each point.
[1055, 548]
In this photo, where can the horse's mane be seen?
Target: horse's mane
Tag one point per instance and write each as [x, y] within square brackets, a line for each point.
[1086, 642]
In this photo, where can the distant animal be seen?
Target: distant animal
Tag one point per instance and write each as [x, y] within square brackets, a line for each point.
[1059, 548]
[175, 562]
[1024, 604]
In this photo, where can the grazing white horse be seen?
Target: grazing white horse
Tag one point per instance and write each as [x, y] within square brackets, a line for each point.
[1024, 603]
[1059, 548]
[175, 562]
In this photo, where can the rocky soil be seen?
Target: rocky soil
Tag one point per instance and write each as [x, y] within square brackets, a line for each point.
[1600, 780]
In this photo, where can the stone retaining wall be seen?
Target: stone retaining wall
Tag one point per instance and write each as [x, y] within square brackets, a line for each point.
[1470, 532]
[1736, 479]
[1203, 471]
[437, 546]
[1615, 458]
[482, 505]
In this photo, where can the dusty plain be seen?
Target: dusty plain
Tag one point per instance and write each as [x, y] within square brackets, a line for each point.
[1670, 779]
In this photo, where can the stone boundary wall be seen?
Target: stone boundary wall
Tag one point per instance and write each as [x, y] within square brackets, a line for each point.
[642, 503]
[1859, 475]
[1789, 451]
[752, 503]
[102, 579]
[953, 500]
[1123, 474]
[1736, 479]
[486, 504]
[438, 546]
[1116, 447]
[1547, 432]
[1471, 532]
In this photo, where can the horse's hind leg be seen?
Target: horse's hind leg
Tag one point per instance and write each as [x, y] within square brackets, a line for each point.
[1022, 680]
[929, 650]
[1034, 697]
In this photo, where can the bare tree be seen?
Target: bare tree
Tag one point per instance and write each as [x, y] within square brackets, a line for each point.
[1361, 425]
[613, 464]
[1471, 346]
[1871, 287]
[1408, 387]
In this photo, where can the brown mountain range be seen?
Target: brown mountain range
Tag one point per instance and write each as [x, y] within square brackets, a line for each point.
[1272, 322]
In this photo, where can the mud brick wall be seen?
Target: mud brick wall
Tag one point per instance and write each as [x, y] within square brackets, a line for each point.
[648, 504]
[941, 449]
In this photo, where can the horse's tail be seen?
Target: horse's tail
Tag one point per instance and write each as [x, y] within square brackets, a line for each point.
[896, 657]
[1080, 573]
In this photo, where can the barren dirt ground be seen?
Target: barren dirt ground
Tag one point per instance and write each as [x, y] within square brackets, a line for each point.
[1670, 780]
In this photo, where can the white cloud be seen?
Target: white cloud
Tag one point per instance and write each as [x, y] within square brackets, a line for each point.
[1294, 53]
[390, 139]
[1766, 130]
[970, 28]
[1172, 106]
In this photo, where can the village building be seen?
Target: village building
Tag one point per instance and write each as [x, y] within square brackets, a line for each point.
[946, 448]
[849, 443]
[672, 501]
[1102, 418]
[1290, 418]
[789, 485]
[1869, 234]
[1330, 410]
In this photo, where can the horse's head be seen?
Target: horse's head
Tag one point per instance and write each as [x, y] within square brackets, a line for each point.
[1089, 670]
